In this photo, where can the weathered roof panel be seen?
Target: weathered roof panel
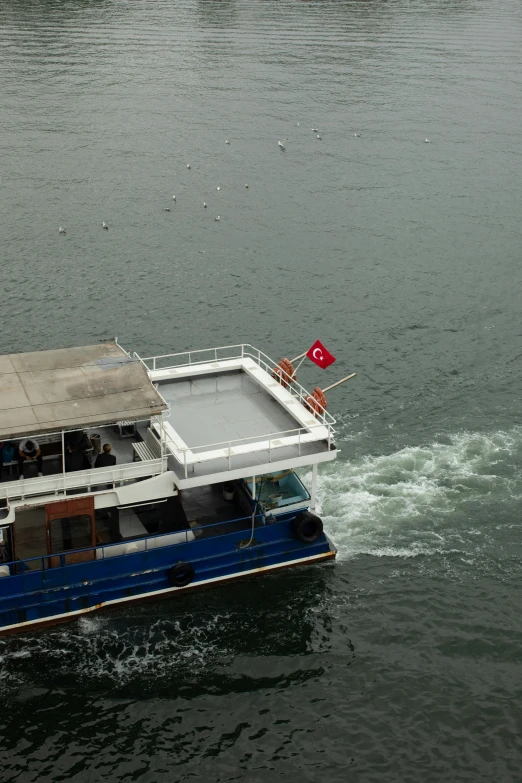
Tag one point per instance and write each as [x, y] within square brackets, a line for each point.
[71, 388]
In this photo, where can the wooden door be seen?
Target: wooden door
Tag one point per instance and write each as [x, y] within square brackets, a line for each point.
[70, 525]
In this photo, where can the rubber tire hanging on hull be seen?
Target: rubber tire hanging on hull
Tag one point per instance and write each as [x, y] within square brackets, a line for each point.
[180, 575]
[307, 527]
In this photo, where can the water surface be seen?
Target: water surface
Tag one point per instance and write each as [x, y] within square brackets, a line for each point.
[401, 661]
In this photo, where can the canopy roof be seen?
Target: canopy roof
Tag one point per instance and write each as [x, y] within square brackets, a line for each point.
[72, 388]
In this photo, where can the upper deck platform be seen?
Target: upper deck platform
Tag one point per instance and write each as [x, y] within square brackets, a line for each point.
[230, 418]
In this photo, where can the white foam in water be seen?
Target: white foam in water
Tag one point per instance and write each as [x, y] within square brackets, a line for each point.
[413, 502]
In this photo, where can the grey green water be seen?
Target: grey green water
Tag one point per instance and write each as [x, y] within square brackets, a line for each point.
[401, 662]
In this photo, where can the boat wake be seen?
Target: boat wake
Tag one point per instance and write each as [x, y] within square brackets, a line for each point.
[421, 500]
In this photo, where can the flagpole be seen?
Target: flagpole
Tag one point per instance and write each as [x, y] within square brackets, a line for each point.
[329, 388]
[301, 356]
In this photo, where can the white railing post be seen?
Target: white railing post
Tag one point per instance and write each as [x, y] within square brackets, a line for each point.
[63, 461]
[314, 488]
[299, 441]
[229, 455]
[185, 461]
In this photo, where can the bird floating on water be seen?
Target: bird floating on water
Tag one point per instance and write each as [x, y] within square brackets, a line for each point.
[357, 134]
[427, 141]
[218, 187]
[105, 226]
[188, 165]
[315, 130]
[61, 230]
[281, 144]
[204, 204]
[227, 141]
[297, 124]
[173, 198]
[167, 209]
[217, 218]
[246, 186]
[319, 137]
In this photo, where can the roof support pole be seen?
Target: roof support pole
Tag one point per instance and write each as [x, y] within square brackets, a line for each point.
[314, 488]
[63, 461]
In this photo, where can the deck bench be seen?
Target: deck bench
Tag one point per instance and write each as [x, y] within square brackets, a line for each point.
[150, 448]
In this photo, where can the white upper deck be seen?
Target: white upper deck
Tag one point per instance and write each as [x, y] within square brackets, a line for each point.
[229, 417]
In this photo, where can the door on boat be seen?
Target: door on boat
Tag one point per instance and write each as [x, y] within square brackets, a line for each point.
[70, 526]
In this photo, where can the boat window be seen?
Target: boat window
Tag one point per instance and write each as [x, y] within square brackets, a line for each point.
[70, 533]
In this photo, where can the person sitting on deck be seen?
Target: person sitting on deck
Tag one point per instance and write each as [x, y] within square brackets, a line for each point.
[105, 459]
[29, 450]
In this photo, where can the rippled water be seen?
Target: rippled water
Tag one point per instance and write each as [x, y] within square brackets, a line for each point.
[401, 661]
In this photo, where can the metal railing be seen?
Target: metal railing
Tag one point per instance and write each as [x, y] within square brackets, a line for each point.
[58, 484]
[267, 442]
[18, 567]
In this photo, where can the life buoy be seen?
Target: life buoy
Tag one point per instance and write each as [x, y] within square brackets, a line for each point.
[307, 527]
[284, 373]
[180, 575]
[316, 403]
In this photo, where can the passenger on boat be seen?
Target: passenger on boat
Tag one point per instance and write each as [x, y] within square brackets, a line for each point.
[77, 446]
[105, 459]
[29, 450]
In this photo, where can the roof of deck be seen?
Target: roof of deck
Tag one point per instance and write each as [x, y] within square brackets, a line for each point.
[71, 388]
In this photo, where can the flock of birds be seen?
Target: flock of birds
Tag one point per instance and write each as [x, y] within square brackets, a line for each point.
[281, 144]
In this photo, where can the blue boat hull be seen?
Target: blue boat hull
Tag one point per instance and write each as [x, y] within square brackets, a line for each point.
[35, 599]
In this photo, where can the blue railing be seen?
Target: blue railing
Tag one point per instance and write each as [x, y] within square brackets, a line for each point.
[132, 545]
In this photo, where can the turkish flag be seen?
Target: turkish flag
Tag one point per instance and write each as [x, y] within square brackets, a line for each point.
[320, 356]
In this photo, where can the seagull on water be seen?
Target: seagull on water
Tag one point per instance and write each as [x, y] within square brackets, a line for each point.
[319, 137]
[61, 230]
[315, 130]
[205, 204]
[357, 135]
[218, 187]
[227, 141]
[246, 186]
[167, 209]
[173, 198]
[105, 226]
[188, 165]
[297, 124]
[217, 218]
[427, 141]
[281, 144]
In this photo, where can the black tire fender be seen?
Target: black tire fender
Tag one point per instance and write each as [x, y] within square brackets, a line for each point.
[307, 527]
[181, 574]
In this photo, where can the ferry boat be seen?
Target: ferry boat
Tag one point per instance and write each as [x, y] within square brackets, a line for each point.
[146, 478]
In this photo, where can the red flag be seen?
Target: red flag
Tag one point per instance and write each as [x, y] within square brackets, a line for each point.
[320, 356]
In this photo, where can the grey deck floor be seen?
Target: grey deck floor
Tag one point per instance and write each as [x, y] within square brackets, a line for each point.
[223, 407]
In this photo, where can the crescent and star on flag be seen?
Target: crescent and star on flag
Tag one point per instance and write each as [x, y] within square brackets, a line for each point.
[319, 355]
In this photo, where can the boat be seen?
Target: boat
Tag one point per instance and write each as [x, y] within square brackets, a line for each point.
[150, 477]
